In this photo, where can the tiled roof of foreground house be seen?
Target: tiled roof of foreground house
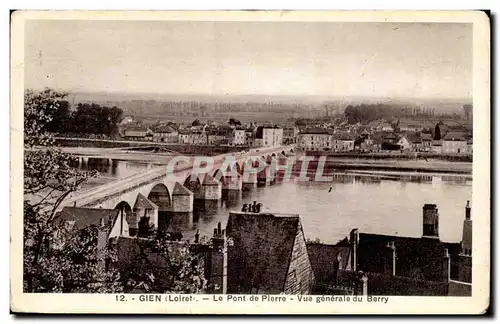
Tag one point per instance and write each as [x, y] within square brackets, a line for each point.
[327, 258]
[84, 217]
[416, 257]
[268, 254]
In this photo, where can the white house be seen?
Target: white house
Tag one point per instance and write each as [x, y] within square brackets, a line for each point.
[455, 143]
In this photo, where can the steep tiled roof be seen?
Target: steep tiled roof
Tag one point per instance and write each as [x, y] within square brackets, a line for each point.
[163, 129]
[209, 180]
[143, 202]
[417, 257]
[413, 138]
[426, 137]
[326, 257]
[136, 128]
[180, 190]
[261, 251]
[317, 130]
[84, 217]
[455, 136]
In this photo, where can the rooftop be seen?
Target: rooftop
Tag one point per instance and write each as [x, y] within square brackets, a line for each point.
[261, 251]
[84, 217]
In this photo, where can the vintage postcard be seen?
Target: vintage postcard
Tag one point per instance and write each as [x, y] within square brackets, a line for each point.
[250, 162]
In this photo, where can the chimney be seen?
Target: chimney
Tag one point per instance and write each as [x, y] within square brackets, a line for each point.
[446, 266]
[218, 262]
[390, 260]
[197, 237]
[430, 221]
[101, 222]
[467, 232]
[354, 240]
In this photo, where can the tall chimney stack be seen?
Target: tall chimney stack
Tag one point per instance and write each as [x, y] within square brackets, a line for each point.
[467, 232]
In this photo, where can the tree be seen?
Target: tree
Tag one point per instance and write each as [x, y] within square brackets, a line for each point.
[163, 266]
[95, 119]
[437, 133]
[61, 120]
[196, 122]
[234, 122]
[56, 258]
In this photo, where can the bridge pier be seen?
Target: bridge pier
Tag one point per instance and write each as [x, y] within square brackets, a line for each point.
[249, 181]
[232, 182]
[264, 177]
[180, 215]
[210, 193]
[281, 169]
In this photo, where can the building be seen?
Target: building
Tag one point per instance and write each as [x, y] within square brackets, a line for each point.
[411, 142]
[267, 254]
[409, 127]
[346, 142]
[331, 264]
[193, 137]
[110, 222]
[386, 127]
[250, 136]
[165, 133]
[465, 256]
[315, 139]
[268, 136]
[138, 132]
[237, 136]
[455, 142]
[185, 137]
[290, 133]
[426, 140]
[136, 254]
[398, 265]
[437, 147]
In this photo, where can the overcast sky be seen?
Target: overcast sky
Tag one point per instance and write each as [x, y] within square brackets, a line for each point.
[299, 58]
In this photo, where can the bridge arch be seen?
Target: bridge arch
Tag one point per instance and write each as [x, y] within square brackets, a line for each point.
[160, 195]
[125, 207]
[219, 175]
[239, 167]
[269, 159]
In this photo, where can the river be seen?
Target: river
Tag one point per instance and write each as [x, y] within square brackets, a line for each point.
[329, 210]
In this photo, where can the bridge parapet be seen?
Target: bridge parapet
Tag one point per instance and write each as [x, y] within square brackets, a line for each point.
[159, 174]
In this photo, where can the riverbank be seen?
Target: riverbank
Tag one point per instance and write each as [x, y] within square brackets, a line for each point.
[432, 166]
[395, 155]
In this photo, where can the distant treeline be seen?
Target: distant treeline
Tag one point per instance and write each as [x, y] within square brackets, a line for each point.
[365, 113]
[85, 119]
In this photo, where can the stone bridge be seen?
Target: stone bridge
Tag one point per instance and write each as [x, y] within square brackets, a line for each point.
[168, 194]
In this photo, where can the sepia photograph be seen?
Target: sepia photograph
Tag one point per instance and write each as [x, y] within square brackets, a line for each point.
[218, 162]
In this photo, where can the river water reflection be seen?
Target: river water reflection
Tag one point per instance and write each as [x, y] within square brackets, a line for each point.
[329, 210]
